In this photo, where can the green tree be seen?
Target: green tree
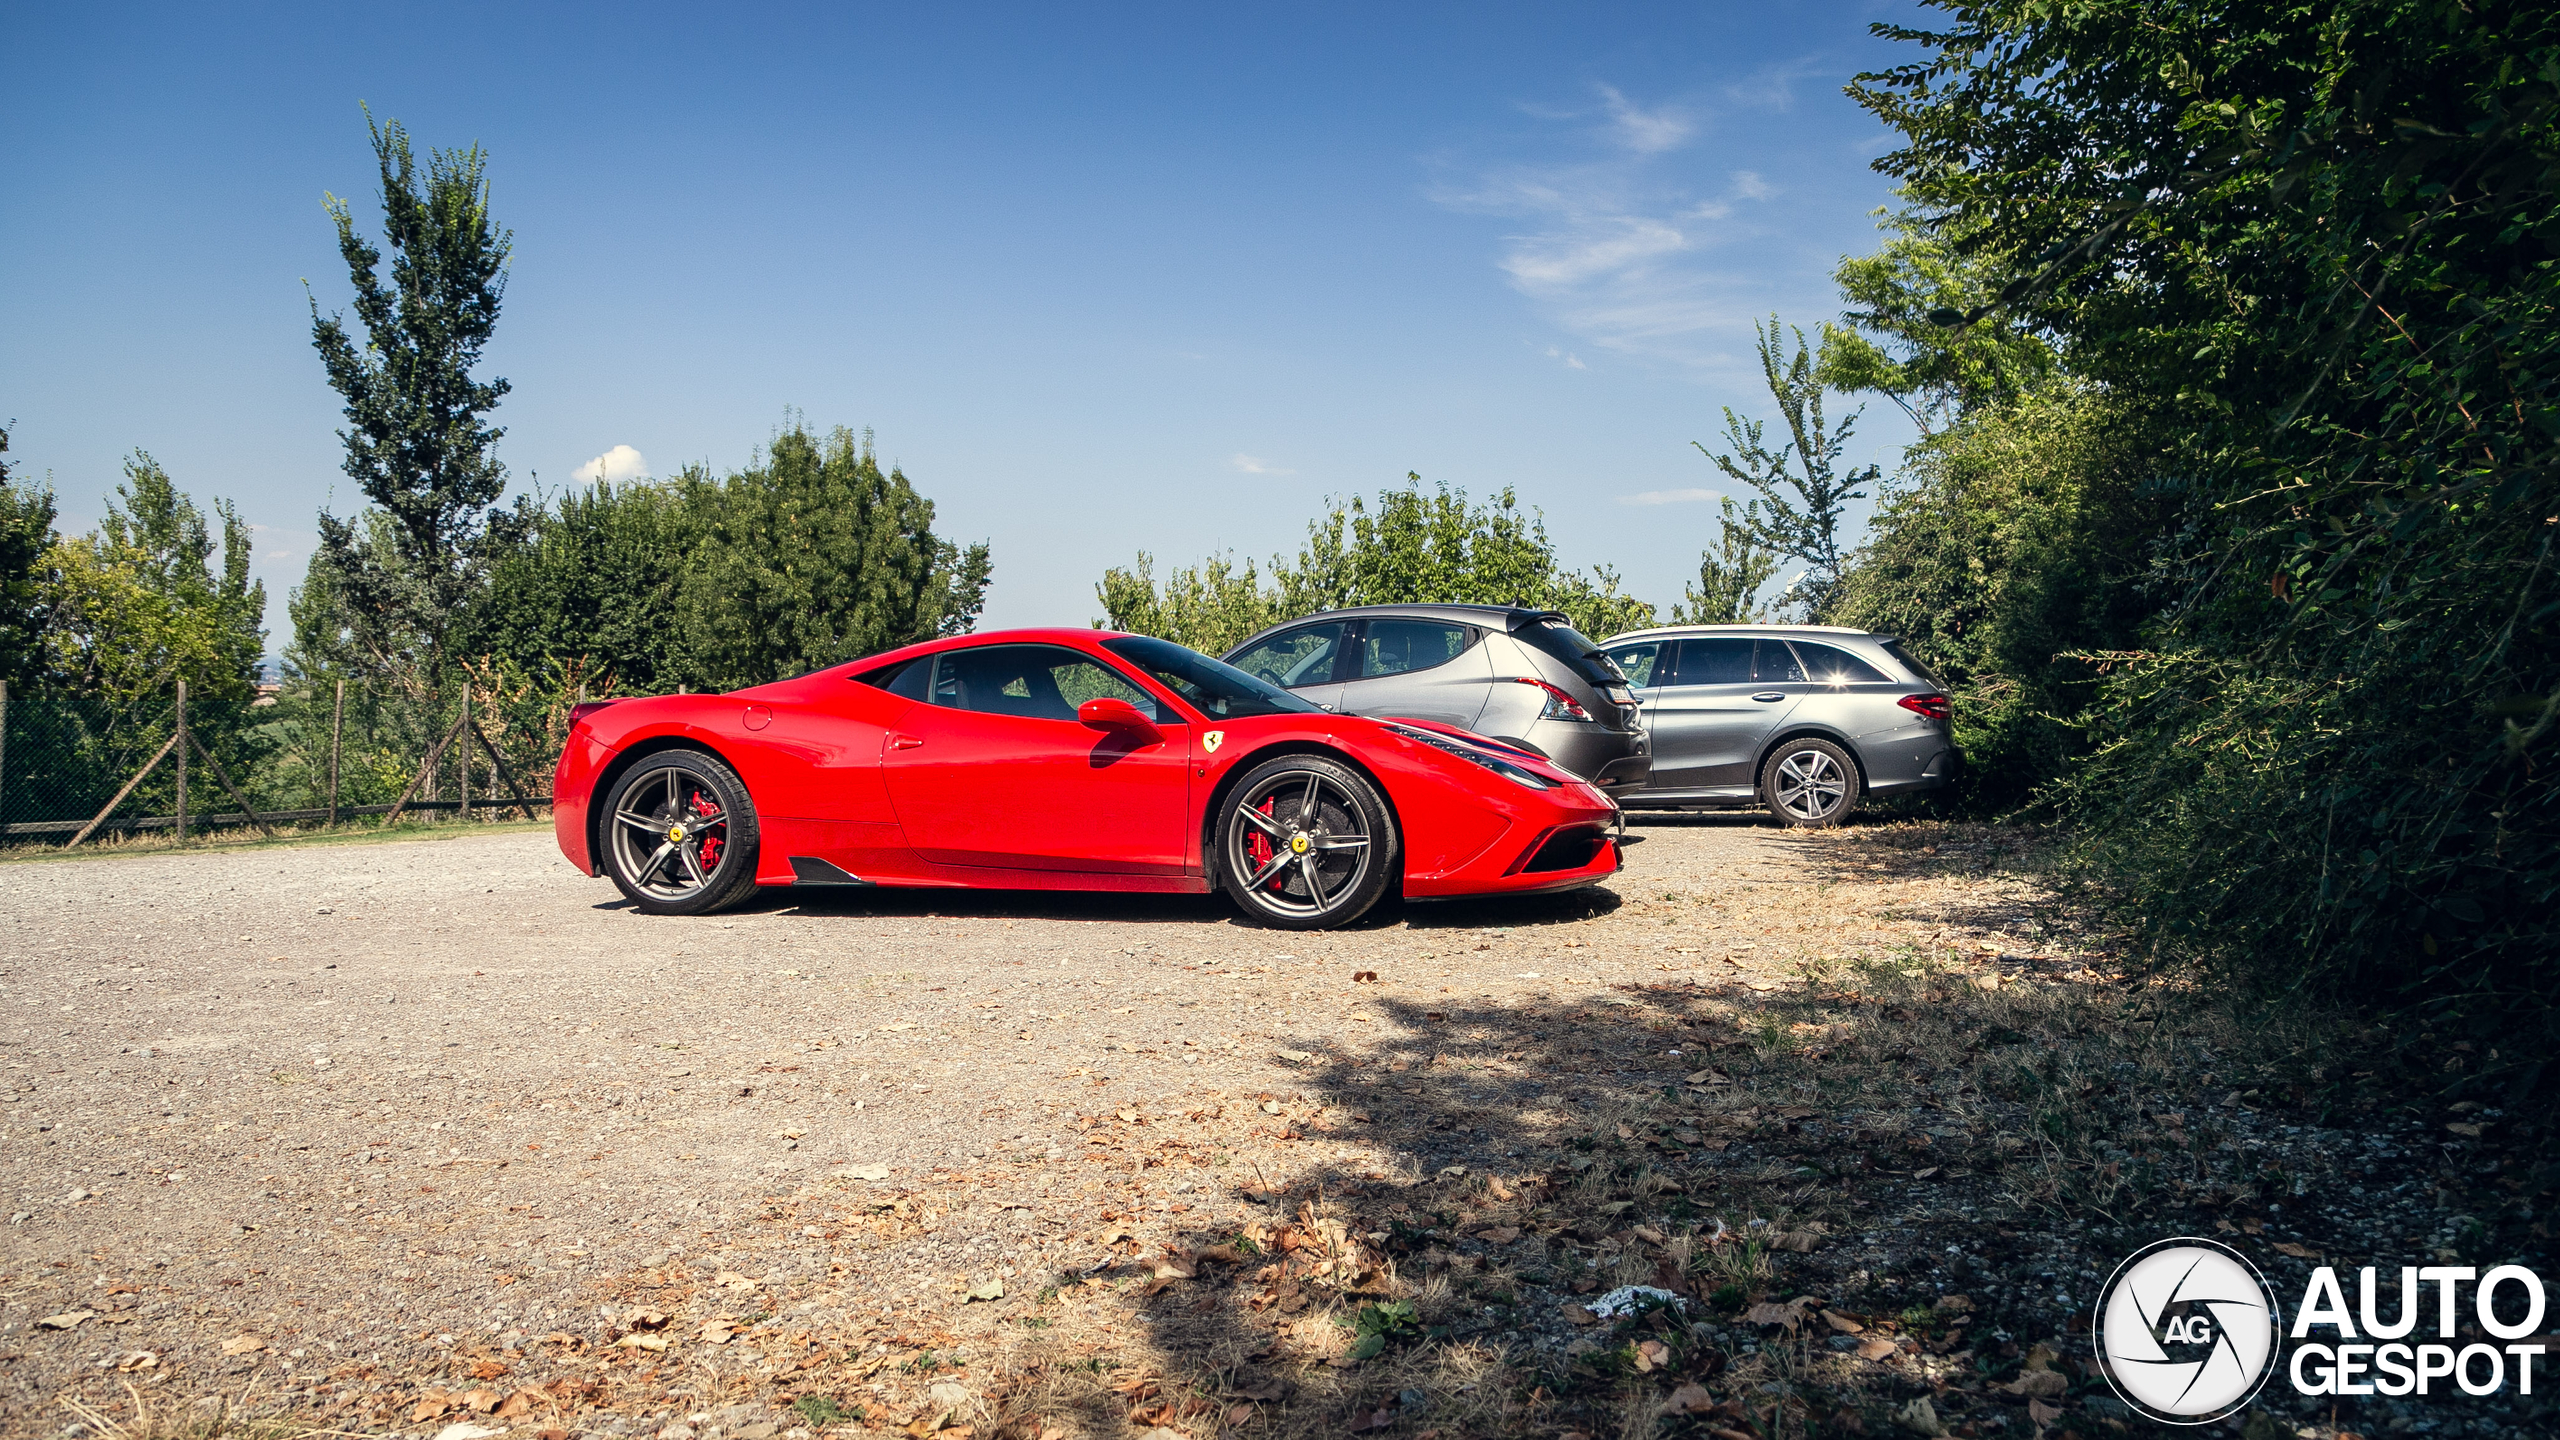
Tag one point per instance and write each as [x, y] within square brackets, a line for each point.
[1730, 578]
[417, 445]
[2314, 247]
[1895, 342]
[596, 580]
[26, 533]
[815, 557]
[1803, 526]
[1410, 545]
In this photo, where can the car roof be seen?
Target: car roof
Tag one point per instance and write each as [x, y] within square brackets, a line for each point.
[1743, 630]
[1502, 617]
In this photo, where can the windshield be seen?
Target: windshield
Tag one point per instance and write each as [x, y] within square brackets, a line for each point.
[1212, 687]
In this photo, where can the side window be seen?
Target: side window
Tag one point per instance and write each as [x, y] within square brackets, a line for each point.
[1304, 656]
[1035, 682]
[1715, 660]
[1776, 665]
[907, 681]
[1831, 665]
[1399, 647]
[1637, 661]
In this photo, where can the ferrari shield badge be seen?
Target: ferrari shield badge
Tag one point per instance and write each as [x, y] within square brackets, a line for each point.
[1211, 740]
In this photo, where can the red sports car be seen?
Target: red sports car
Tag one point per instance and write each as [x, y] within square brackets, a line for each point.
[1061, 760]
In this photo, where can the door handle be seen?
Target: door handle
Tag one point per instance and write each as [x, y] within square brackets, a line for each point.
[904, 742]
[1768, 695]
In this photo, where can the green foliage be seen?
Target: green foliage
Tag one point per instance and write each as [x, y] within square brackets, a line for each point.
[130, 609]
[1806, 527]
[1409, 546]
[811, 557]
[417, 445]
[2319, 247]
[1892, 347]
[816, 557]
[1374, 1327]
[1997, 558]
[1730, 578]
[26, 533]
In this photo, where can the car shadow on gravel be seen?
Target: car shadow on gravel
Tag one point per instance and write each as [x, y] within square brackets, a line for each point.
[1203, 910]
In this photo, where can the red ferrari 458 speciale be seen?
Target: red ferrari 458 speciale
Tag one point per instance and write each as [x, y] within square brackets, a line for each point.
[1061, 760]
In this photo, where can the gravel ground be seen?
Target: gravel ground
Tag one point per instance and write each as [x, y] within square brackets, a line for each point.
[401, 1134]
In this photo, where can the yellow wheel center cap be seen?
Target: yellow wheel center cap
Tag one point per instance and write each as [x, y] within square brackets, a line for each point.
[675, 834]
[1299, 843]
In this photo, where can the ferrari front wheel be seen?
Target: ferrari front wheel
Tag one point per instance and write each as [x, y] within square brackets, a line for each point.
[680, 835]
[1305, 843]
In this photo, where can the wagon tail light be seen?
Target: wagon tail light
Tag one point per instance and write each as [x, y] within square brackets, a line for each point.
[585, 708]
[1935, 707]
[1560, 706]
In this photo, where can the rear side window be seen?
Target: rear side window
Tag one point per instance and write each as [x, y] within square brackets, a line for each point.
[1774, 665]
[1638, 661]
[1569, 645]
[1715, 660]
[907, 681]
[1831, 665]
[1399, 647]
[1304, 656]
[1927, 676]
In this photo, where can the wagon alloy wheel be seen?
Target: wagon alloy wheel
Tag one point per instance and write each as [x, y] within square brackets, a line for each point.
[1809, 783]
[679, 836]
[1305, 842]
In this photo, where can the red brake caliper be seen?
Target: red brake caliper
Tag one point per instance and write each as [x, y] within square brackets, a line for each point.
[1258, 847]
[703, 808]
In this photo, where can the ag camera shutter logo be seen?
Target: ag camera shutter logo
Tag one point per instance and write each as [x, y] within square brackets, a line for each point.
[2188, 1328]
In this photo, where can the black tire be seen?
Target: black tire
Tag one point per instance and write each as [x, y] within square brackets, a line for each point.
[1809, 784]
[1304, 843]
[655, 858]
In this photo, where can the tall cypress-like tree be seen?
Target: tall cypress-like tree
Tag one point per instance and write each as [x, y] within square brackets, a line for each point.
[418, 444]
[26, 532]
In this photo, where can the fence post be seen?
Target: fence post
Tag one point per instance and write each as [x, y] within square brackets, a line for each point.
[182, 762]
[337, 728]
[462, 755]
[4, 750]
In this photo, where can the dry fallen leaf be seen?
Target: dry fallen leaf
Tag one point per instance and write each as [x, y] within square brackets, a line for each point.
[1689, 1399]
[2298, 1252]
[1364, 977]
[1876, 1348]
[1842, 1323]
[69, 1318]
[2043, 1414]
[138, 1360]
[237, 1344]
[1498, 1234]
[1175, 1267]
[1651, 1355]
[480, 1401]
[519, 1404]
[1789, 1314]
[2045, 1383]
[642, 1340]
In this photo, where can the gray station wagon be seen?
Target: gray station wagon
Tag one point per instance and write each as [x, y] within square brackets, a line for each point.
[1801, 718]
[1524, 677]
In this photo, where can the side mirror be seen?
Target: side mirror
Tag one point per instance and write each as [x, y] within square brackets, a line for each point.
[1112, 713]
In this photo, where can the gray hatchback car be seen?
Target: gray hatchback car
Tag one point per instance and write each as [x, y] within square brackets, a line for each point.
[1801, 718]
[1525, 677]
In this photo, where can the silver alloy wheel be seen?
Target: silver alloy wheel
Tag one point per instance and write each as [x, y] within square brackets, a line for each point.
[1810, 784]
[666, 821]
[1304, 844]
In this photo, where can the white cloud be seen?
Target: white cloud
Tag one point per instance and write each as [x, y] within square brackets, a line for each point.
[1571, 360]
[617, 465]
[1620, 246]
[1646, 132]
[1669, 497]
[1252, 466]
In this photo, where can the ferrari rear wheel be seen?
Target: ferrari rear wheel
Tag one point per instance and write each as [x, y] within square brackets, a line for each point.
[1305, 843]
[680, 835]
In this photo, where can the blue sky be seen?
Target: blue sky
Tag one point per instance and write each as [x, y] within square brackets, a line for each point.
[1101, 279]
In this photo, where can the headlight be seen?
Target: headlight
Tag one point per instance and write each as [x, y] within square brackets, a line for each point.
[1516, 773]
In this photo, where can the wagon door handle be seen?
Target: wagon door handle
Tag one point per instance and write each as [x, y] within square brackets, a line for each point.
[904, 742]
[1768, 695]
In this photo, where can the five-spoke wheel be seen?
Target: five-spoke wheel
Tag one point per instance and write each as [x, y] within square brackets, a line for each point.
[679, 835]
[1305, 842]
[1809, 782]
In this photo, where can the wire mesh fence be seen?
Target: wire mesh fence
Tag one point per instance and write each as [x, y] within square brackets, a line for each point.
[307, 752]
